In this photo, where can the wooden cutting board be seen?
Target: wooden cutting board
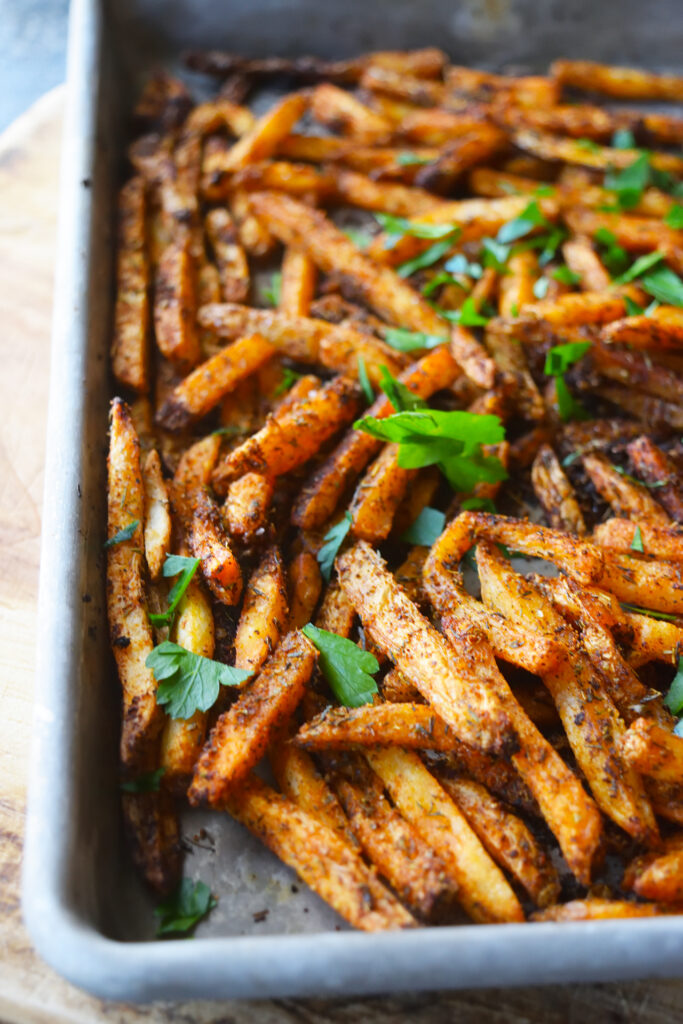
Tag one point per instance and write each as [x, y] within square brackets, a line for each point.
[30, 991]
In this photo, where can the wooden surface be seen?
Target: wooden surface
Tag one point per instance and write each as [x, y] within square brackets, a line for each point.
[29, 991]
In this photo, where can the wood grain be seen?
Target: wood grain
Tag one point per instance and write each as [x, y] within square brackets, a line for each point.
[30, 993]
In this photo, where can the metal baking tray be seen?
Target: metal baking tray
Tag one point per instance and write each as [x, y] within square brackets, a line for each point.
[87, 914]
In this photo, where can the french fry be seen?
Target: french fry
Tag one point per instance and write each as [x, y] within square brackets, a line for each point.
[298, 283]
[436, 126]
[245, 511]
[483, 891]
[253, 235]
[420, 91]
[599, 910]
[399, 690]
[263, 139]
[571, 151]
[346, 115]
[209, 543]
[620, 82]
[157, 530]
[658, 876]
[661, 329]
[175, 307]
[182, 738]
[657, 540]
[321, 495]
[510, 360]
[483, 142]
[659, 470]
[635, 234]
[391, 843]
[378, 495]
[305, 582]
[153, 832]
[529, 90]
[453, 683]
[129, 628]
[203, 389]
[230, 256]
[410, 725]
[555, 493]
[418, 498]
[336, 614]
[293, 436]
[489, 181]
[506, 838]
[653, 640]
[574, 310]
[653, 750]
[193, 475]
[241, 735]
[582, 259]
[265, 612]
[390, 197]
[627, 498]
[320, 858]
[130, 343]
[296, 224]
[637, 370]
[653, 413]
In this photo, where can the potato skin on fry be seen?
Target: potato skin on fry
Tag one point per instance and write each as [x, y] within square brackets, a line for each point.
[245, 512]
[130, 344]
[654, 750]
[153, 832]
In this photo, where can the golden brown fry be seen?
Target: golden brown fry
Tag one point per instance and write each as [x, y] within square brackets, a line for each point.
[130, 343]
[129, 628]
[346, 115]
[337, 614]
[264, 614]
[658, 876]
[653, 413]
[399, 690]
[321, 859]
[157, 517]
[175, 307]
[637, 371]
[657, 540]
[192, 476]
[482, 143]
[483, 891]
[620, 82]
[487, 181]
[660, 329]
[294, 223]
[654, 640]
[378, 495]
[253, 235]
[293, 435]
[576, 310]
[153, 832]
[525, 90]
[582, 259]
[510, 359]
[627, 498]
[241, 735]
[435, 126]
[230, 256]
[555, 493]
[298, 283]
[384, 725]
[263, 139]
[471, 355]
[391, 843]
[305, 584]
[450, 679]
[599, 910]
[245, 512]
[635, 234]
[516, 287]
[210, 544]
[571, 151]
[659, 470]
[506, 838]
[389, 197]
[183, 738]
[405, 86]
[654, 750]
[202, 389]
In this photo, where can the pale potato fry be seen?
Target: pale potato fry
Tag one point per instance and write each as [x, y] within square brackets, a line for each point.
[129, 627]
[241, 735]
[378, 495]
[506, 838]
[658, 469]
[582, 259]
[321, 859]
[157, 530]
[620, 82]
[203, 389]
[654, 750]
[657, 540]
[322, 493]
[661, 329]
[599, 910]
[130, 343]
[183, 738]
[483, 891]
[450, 680]
[175, 307]
[555, 493]
[627, 498]
[305, 584]
[298, 283]
[296, 224]
[292, 436]
[230, 256]
[153, 832]
[245, 511]
[263, 620]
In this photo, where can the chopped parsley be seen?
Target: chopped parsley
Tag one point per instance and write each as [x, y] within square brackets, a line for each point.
[407, 341]
[175, 565]
[185, 908]
[125, 534]
[674, 696]
[637, 542]
[364, 381]
[334, 539]
[273, 291]
[557, 362]
[150, 782]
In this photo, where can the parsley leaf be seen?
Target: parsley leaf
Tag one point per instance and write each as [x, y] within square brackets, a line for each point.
[623, 139]
[361, 239]
[664, 285]
[530, 218]
[544, 191]
[479, 505]
[674, 218]
[561, 357]
[189, 682]
[437, 281]
[407, 341]
[459, 264]
[642, 264]
[426, 528]
[630, 182]
[289, 379]
[185, 908]
[125, 534]
[614, 257]
[173, 566]
[467, 316]
[566, 276]
[334, 539]
[428, 257]
[364, 381]
[412, 159]
[674, 697]
[664, 616]
[348, 670]
[397, 227]
[540, 288]
[400, 396]
[494, 254]
[632, 308]
[637, 542]
[589, 145]
[568, 407]
[147, 783]
[272, 292]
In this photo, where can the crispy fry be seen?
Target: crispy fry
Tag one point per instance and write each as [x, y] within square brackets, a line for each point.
[264, 615]
[321, 859]
[175, 306]
[576, 310]
[658, 876]
[209, 542]
[130, 344]
[657, 540]
[157, 530]
[571, 151]
[298, 283]
[653, 750]
[510, 360]
[230, 256]
[654, 640]
[263, 139]
[241, 735]
[386, 725]
[620, 82]
[653, 413]
[482, 143]
[129, 628]
[599, 910]
[635, 234]
[390, 197]
[636, 370]
[660, 329]
[379, 494]
[483, 891]
[192, 476]
[305, 583]
[345, 114]
[627, 498]
[246, 506]
[658, 470]
[337, 614]
[290, 438]
[555, 493]
[153, 832]
[582, 259]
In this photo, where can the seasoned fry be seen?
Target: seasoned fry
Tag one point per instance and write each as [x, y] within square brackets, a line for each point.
[153, 832]
[652, 412]
[264, 614]
[555, 493]
[245, 512]
[230, 257]
[389, 197]
[337, 614]
[298, 283]
[321, 859]
[378, 495]
[192, 476]
[403, 725]
[305, 584]
[658, 470]
[599, 910]
[209, 543]
[344, 113]
[627, 498]
[129, 628]
[653, 750]
[657, 540]
[262, 140]
[241, 735]
[620, 82]
[658, 876]
[130, 344]
[175, 307]
[555, 147]
[157, 517]
[582, 259]
[637, 370]
[483, 891]
[654, 640]
[661, 329]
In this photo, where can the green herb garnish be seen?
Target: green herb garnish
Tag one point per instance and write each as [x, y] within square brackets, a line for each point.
[125, 534]
[557, 362]
[398, 227]
[589, 145]
[623, 139]
[664, 616]
[540, 288]
[334, 539]
[664, 285]
[348, 670]
[530, 218]
[566, 276]
[637, 542]
[430, 256]
[412, 159]
[630, 182]
[674, 696]
[641, 265]
[185, 908]
[288, 380]
[273, 291]
[189, 682]
[407, 341]
[364, 381]
[147, 783]
[173, 566]
[361, 239]
[426, 528]
[459, 264]
[613, 256]
[674, 218]
[479, 505]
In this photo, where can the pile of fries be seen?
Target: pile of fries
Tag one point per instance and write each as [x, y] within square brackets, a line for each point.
[410, 325]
